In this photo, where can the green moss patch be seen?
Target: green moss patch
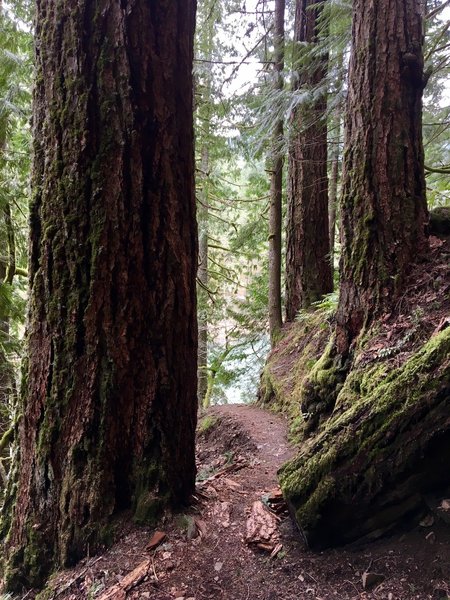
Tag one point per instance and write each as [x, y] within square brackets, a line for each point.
[291, 363]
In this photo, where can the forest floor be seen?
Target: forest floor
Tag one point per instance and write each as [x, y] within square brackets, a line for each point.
[211, 551]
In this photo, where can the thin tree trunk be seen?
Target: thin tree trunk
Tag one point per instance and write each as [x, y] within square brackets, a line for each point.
[334, 181]
[11, 237]
[110, 410]
[4, 365]
[7, 264]
[308, 268]
[208, 15]
[213, 370]
[276, 183]
[384, 208]
[7, 272]
[203, 277]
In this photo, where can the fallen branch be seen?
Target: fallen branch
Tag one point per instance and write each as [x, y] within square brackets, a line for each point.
[130, 581]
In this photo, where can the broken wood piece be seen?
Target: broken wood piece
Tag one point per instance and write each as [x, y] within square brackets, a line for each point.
[201, 526]
[231, 483]
[370, 580]
[261, 528]
[221, 512]
[265, 547]
[130, 581]
[443, 324]
[237, 466]
[157, 538]
[275, 501]
[276, 550]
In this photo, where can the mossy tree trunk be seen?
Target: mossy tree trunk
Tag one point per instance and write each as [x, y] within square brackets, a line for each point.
[7, 272]
[4, 365]
[276, 181]
[109, 411]
[308, 268]
[383, 200]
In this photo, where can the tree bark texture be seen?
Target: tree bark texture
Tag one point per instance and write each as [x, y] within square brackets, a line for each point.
[110, 410]
[276, 184]
[383, 200]
[308, 268]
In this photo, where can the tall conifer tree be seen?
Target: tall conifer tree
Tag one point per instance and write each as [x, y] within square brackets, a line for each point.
[308, 268]
[109, 410]
[383, 207]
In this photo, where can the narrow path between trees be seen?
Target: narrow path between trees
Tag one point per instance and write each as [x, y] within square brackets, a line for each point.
[221, 547]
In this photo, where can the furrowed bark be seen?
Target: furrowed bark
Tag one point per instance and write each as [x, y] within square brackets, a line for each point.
[109, 411]
[383, 206]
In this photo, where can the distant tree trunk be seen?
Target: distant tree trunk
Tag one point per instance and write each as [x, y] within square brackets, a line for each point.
[308, 268]
[203, 278]
[7, 272]
[276, 183]
[334, 181]
[207, 17]
[110, 411]
[7, 266]
[383, 201]
[4, 366]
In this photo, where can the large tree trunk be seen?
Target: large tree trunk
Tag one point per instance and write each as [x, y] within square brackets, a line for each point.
[110, 410]
[383, 201]
[276, 183]
[308, 268]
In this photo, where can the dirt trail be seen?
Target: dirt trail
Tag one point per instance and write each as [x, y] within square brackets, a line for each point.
[267, 431]
[204, 555]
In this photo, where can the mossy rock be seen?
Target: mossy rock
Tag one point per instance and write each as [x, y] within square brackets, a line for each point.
[440, 221]
[207, 424]
[384, 448]
[291, 363]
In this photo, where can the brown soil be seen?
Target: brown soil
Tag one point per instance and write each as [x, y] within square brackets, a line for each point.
[423, 308]
[204, 555]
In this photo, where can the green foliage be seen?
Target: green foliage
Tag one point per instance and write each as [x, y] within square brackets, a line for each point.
[15, 101]
[327, 306]
[436, 117]
[207, 423]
